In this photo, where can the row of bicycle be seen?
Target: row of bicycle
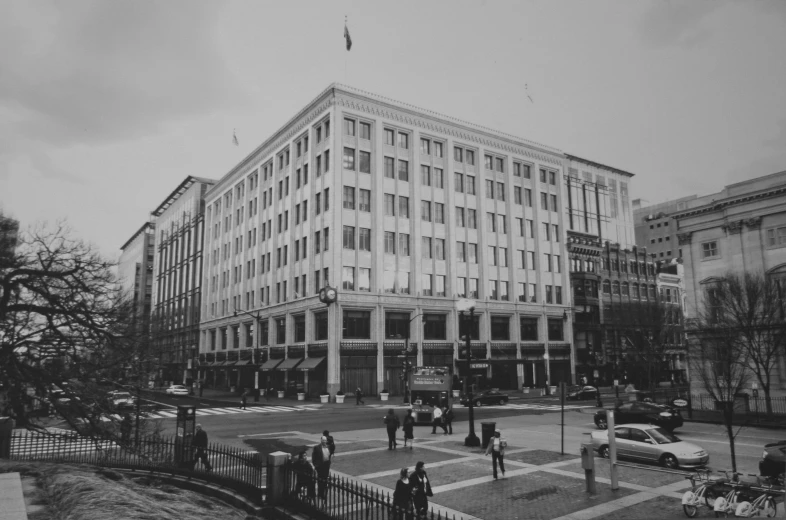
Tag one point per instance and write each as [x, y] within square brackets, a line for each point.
[729, 496]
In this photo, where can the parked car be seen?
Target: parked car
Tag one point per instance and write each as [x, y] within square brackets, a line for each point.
[645, 442]
[773, 461]
[177, 390]
[641, 412]
[120, 399]
[487, 397]
[581, 393]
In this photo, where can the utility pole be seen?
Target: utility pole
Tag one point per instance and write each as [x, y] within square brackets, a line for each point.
[464, 305]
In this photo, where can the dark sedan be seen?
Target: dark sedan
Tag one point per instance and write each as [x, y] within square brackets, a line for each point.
[582, 393]
[487, 397]
[773, 460]
[640, 412]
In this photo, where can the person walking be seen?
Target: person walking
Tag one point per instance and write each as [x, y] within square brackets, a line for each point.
[243, 399]
[409, 429]
[391, 424]
[497, 447]
[448, 419]
[437, 421]
[200, 443]
[359, 396]
[402, 497]
[125, 429]
[421, 489]
[321, 459]
[304, 475]
[331, 444]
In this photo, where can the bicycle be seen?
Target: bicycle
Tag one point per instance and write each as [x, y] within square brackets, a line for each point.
[763, 505]
[705, 494]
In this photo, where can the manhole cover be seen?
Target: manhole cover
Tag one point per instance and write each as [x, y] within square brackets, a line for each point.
[536, 494]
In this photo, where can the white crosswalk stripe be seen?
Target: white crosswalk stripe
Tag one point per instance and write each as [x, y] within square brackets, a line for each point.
[205, 412]
[541, 407]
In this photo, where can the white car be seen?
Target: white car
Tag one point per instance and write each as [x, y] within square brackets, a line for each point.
[121, 399]
[177, 390]
[646, 442]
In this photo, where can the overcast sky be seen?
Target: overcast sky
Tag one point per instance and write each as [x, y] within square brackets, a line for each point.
[105, 107]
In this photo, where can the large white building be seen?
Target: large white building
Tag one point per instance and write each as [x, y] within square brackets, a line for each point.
[404, 211]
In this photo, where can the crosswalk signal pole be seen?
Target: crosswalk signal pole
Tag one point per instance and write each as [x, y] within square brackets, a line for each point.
[472, 439]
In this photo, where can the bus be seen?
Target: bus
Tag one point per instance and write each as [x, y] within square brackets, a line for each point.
[428, 387]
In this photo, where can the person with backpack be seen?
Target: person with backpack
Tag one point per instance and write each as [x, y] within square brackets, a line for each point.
[391, 423]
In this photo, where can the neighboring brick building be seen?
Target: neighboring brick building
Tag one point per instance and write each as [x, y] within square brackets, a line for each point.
[655, 229]
[404, 211]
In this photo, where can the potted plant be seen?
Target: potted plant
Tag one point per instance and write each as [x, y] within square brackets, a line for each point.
[301, 396]
[324, 397]
[456, 393]
[281, 393]
[384, 394]
[340, 396]
[525, 389]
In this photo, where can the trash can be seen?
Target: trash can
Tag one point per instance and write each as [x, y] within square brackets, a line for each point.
[487, 432]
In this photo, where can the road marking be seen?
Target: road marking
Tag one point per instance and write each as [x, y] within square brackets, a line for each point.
[166, 414]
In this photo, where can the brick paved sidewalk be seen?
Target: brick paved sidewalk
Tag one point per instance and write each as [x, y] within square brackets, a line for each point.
[538, 484]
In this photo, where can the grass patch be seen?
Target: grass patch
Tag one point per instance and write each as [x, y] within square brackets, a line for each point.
[90, 493]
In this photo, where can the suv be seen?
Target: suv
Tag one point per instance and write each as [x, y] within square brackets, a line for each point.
[644, 413]
[773, 461]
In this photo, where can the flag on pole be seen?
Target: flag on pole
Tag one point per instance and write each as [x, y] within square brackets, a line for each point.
[234, 138]
[347, 37]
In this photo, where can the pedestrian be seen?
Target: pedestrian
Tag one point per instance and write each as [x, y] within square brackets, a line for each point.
[421, 489]
[321, 459]
[448, 418]
[200, 443]
[497, 447]
[243, 399]
[437, 421]
[402, 496]
[330, 442]
[359, 396]
[391, 424]
[304, 474]
[409, 427]
[125, 429]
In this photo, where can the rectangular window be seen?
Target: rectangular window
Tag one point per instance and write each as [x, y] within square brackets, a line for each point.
[426, 247]
[470, 157]
[709, 249]
[390, 205]
[348, 278]
[532, 293]
[525, 171]
[364, 279]
[555, 328]
[461, 289]
[553, 178]
[364, 203]
[425, 147]
[776, 237]
[426, 284]
[488, 162]
[365, 131]
[403, 282]
[493, 294]
[364, 239]
[544, 201]
[558, 295]
[503, 257]
[517, 195]
[390, 137]
[349, 127]
[548, 294]
[520, 226]
[543, 176]
[547, 262]
[472, 219]
[349, 197]
[316, 241]
[531, 260]
[365, 162]
[460, 222]
[349, 158]
[472, 253]
[492, 255]
[459, 182]
[529, 329]
[489, 189]
[440, 285]
[503, 224]
[403, 140]
[439, 213]
[439, 180]
[425, 175]
[491, 223]
[500, 163]
[473, 288]
[439, 248]
[521, 295]
[461, 251]
[501, 191]
[390, 168]
[556, 264]
[425, 210]
[528, 197]
[403, 169]
[555, 228]
[356, 325]
[458, 154]
[437, 149]
[546, 231]
[390, 242]
[553, 199]
[522, 259]
[327, 160]
[403, 207]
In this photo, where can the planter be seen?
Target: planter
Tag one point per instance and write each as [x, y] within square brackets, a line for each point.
[456, 393]
[232, 389]
[301, 396]
[340, 399]
[324, 398]
[262, 391]
[384, 397]
[280, 394]
[525, 390]
[553, 390]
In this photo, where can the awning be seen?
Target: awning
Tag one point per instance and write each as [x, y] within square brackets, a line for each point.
[219, 364]
[310, 363]
[245, 362]
[289, 364]
[270, 364]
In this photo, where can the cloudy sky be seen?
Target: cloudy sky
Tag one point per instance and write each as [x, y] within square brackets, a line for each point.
[106, 106]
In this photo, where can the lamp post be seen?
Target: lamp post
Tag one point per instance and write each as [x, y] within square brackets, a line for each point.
[406, 359]
[258, 318]
[469, 306]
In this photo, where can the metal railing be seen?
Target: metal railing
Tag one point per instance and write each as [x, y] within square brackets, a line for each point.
[338, 498]
[231, 467]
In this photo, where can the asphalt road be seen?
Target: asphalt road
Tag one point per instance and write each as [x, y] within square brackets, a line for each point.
[538, 429]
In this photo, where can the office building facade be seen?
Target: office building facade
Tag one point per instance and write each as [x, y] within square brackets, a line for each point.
[135, 271]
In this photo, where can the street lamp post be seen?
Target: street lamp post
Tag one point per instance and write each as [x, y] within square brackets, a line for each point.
[468, 305]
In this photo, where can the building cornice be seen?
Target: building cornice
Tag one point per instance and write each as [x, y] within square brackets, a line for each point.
[719, 205]
[178, 192]
[141, 230]
[599, 165]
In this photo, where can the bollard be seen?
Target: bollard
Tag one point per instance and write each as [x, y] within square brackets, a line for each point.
[276, 477]
[588, 463]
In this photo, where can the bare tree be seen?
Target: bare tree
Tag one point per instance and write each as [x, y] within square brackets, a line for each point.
[63, 324]
[751, 307]
[719, 360]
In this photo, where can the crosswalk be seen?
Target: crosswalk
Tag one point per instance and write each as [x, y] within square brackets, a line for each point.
[541, 407]
[206, 412]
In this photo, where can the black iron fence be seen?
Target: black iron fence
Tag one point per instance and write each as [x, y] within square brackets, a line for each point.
[231, 467]
[337, 498]
[744, 403]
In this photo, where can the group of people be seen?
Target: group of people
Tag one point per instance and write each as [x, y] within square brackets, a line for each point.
[443, 418]
[321, 458]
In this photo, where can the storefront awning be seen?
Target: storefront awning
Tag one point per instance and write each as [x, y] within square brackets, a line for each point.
[289, 364]
[270, 364]
[310, 363]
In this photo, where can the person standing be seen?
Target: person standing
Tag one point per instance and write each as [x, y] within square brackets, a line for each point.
[200, 443]
[243, 399]
[448, 419]
[409, 427]
[321, 459]
[497, 447]
[391, 424]
[421, 489]
[330, 442]
[304, 474]
[359, 396]
[437, 421]
[402, 496]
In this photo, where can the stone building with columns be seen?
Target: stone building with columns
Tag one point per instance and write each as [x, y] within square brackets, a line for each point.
[740, 229]
[404, 211]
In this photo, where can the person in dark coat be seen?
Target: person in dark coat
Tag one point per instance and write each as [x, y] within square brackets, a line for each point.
[391, 423]
[448, 418]
[243, 399]
[125, 429]
[402, 497]
[321, 459]
[359, 396]
[409, 426]
[330, 443]
[200, 444]
[304, 474]
[422, 489]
